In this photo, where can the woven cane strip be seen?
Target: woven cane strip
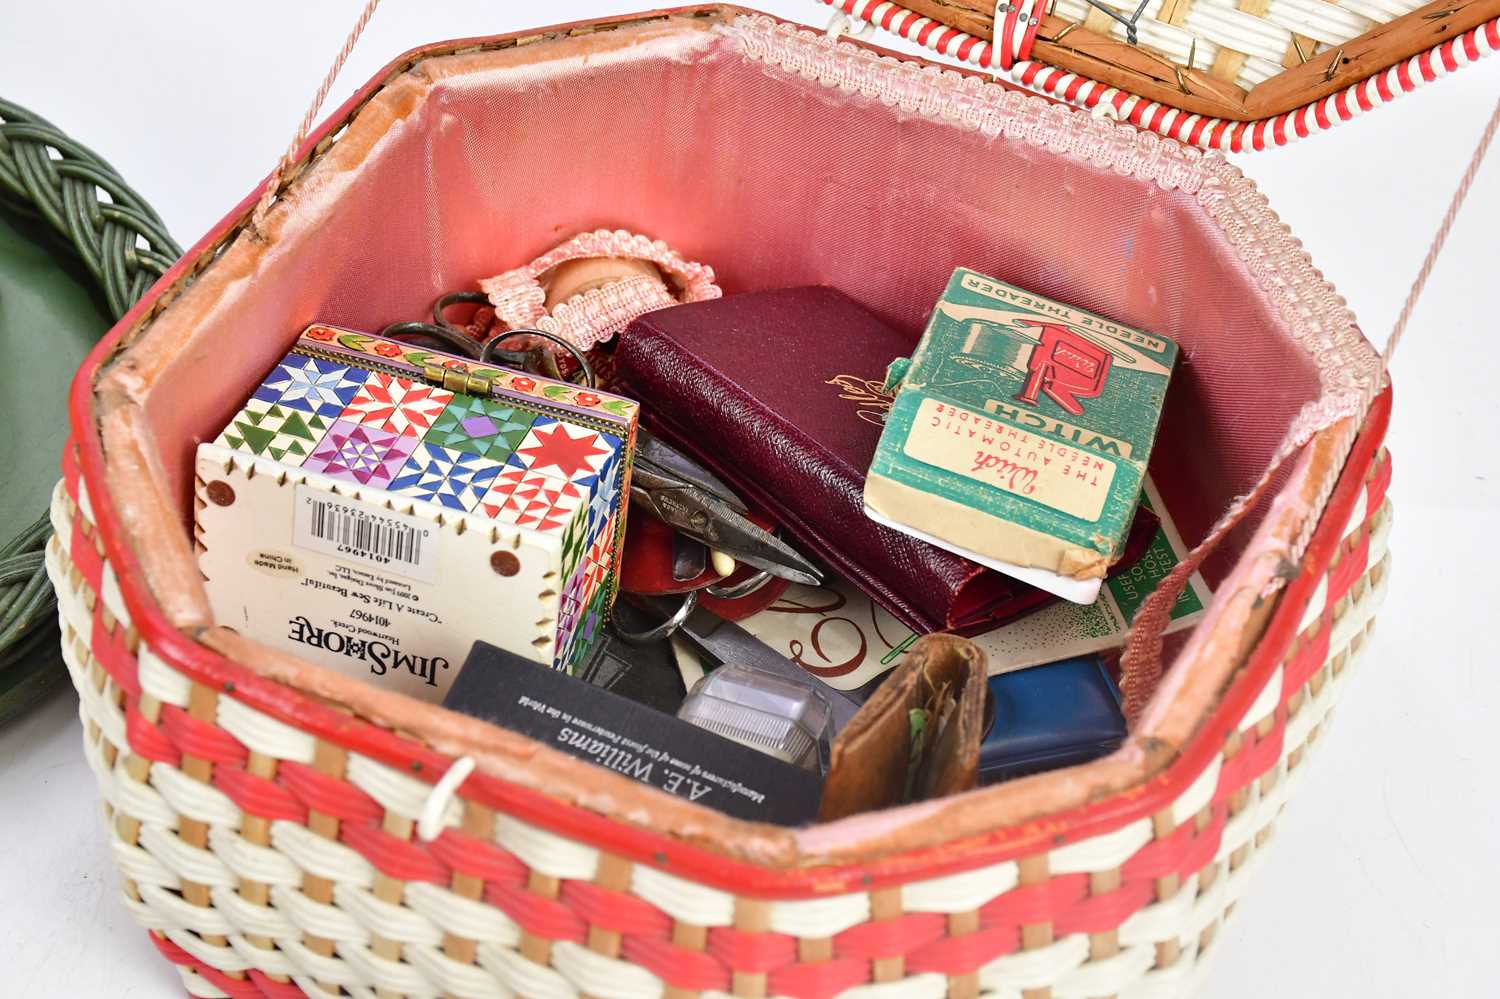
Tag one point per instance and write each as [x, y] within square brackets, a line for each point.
[280, 867]
[1193, 129]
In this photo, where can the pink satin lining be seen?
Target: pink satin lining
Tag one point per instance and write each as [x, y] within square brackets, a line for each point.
[473, 164]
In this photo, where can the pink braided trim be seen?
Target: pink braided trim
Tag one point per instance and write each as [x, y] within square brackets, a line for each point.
[1194, 129]
[596, 315]
[600, 313]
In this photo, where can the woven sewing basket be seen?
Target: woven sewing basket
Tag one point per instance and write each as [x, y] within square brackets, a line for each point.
[280, 830]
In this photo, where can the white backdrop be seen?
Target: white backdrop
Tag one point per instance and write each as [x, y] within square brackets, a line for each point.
[1383, 879]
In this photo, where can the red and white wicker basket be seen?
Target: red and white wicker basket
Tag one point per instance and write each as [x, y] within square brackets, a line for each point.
[280, 831]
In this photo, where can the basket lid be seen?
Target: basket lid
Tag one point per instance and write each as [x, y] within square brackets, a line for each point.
[1234, 75]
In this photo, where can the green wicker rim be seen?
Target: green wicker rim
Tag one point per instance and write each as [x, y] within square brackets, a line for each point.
[125, 247]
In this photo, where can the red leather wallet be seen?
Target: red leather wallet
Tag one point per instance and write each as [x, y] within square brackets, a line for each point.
[779, 393]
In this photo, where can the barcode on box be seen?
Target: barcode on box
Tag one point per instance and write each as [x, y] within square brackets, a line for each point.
[360, 535]
[365, 534]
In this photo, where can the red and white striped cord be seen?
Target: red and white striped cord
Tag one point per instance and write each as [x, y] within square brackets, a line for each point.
[1016, 23]
[1193, 129]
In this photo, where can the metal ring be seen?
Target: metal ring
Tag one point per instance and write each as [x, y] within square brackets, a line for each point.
[743, 588]
[451, 338]
[485, 353]
[440, 307]
[663, 630]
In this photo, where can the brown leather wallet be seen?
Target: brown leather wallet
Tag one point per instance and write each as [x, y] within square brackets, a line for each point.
[876, 761]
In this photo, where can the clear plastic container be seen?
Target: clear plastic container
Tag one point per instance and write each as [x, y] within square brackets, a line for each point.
[776, 715]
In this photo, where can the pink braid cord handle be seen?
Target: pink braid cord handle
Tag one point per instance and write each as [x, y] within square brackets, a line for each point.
[1141, 665]
[273, 184]
[520, 300]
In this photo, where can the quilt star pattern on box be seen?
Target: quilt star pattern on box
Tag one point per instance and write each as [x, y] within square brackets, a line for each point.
[454, 479]
[481, 426]
[462, 452]
[497, 457]
[561, 450]
[312, 385]
[532, 499]
[363, 454]
[397, 405]
[280, 432]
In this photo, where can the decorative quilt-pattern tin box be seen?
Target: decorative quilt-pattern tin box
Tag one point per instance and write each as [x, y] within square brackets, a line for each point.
[376, 508]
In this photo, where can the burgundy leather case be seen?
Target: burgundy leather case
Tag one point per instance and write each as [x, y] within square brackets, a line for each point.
[778, 392]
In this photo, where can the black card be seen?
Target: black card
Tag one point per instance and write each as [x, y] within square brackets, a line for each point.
[632, 739]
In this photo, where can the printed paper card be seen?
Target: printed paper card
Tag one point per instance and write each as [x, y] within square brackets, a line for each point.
[836, 633]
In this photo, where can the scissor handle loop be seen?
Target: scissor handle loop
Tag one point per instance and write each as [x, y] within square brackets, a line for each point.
[440, 307]
[663, 630]
[743, 588]
[452, 339]
[487, 352]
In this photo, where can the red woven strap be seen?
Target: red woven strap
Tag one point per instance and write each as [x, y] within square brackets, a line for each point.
[818, 979]
[329, 795]
[147, 740]
[200, 739]
[536, 914]
[964, 955]
[1187, 850]
[752, 952]
[1256, 757]
[478, 858]
[392, 856]
[679, 967]
[1310, 656]
[1038, 903]
[258, 796]
[86, 558]
[615, 910]
[1104, 912]
[108, 647]
[890, 937]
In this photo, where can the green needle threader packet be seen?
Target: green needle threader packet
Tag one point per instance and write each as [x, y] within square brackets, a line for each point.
[1020, 434]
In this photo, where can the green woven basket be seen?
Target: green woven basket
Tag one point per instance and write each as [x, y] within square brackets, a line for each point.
[78, 247]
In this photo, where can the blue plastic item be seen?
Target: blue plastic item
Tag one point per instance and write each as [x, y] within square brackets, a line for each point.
[1051, 716]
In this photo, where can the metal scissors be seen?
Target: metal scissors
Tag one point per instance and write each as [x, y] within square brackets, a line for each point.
[689, 498]
[666, 483]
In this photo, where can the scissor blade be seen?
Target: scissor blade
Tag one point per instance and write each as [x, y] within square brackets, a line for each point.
[689, 558]
[704, 517]
[650, 448]
[760, 549]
